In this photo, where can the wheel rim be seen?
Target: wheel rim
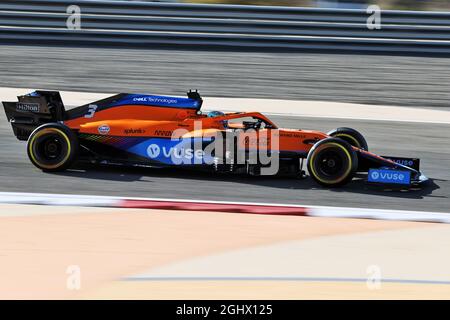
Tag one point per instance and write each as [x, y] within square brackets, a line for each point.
[50, 148]
[329, 163]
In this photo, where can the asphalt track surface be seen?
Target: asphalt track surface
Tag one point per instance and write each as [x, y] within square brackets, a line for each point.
[359, 78]
[374, 79]
[427, 141]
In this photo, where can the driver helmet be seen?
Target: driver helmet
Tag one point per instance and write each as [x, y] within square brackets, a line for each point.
[213, 114]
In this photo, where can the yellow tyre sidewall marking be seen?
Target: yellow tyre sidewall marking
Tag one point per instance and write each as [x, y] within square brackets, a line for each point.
[42, 132]
[311, 165]
[350, 137]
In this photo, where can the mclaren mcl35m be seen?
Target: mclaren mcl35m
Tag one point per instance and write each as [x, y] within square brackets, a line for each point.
[162, 131]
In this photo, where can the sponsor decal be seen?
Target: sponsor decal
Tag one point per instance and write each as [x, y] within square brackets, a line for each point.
[257, 141]
[389, 176]
[178, 153]
[292, 135]
[153, 151]
[409, 162]
[134, 131]
[163, 133]
[223, 148]
[404, 162]
[156, 100]
[104, 129]
[162, 101]
[27, 107]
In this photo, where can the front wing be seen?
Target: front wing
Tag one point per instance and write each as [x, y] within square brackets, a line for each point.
[387, 170]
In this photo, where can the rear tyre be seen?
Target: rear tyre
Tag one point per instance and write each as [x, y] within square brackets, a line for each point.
[332, 162]
[351, 136]
[52, 147]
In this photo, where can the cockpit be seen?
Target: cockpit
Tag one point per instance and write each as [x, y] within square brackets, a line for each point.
[243, 121]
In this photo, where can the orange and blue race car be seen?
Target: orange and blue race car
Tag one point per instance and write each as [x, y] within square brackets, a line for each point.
[163, 131]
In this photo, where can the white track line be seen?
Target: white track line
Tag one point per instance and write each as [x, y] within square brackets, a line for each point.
[313, 211]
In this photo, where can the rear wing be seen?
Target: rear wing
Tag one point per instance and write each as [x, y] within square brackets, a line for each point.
[32, 110]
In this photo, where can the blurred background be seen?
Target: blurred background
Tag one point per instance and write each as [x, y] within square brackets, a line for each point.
[384, 4]
[304, 52]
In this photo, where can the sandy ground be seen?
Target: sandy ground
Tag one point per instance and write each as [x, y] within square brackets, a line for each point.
[40, 245]
[268, 290]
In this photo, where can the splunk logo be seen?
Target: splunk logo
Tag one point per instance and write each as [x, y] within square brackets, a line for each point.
[389, 176]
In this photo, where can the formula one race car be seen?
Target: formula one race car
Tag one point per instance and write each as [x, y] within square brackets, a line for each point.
[161, 131]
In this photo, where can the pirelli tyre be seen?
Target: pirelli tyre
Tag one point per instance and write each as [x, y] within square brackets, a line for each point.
[52, 147]
[350, 135]
[332, 162]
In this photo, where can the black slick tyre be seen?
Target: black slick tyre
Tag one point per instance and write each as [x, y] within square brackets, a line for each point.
[351, 136]
[52, 147]
[332, 162]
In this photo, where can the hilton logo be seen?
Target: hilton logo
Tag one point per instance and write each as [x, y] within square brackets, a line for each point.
[27, 107]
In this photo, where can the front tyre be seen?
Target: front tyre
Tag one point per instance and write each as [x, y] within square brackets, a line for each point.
[52, 147]
[351, 136]
[332, 162]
